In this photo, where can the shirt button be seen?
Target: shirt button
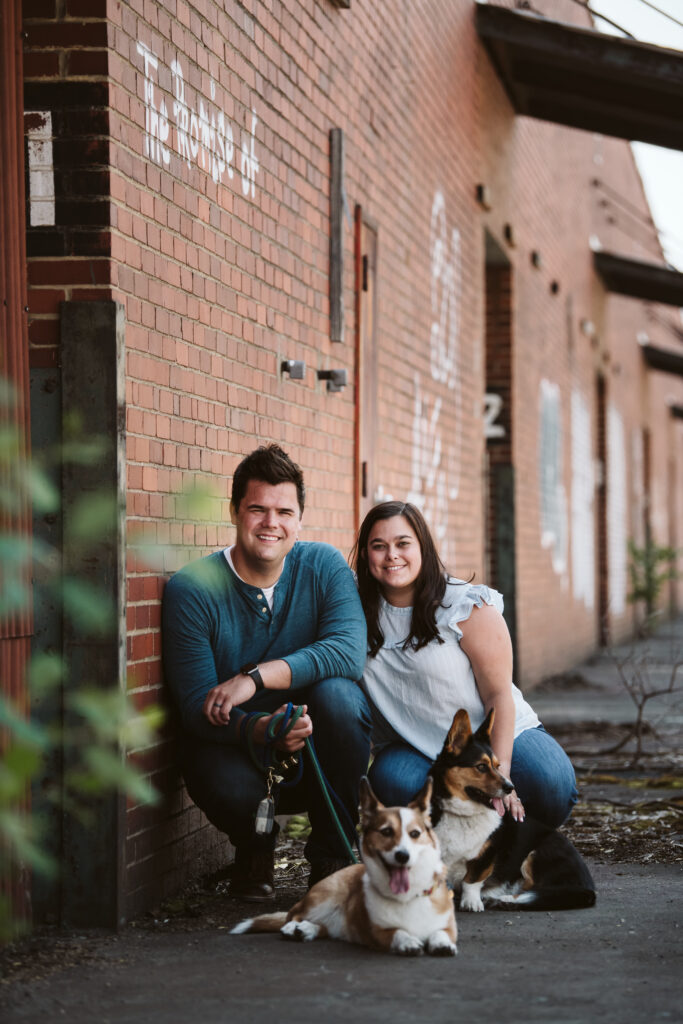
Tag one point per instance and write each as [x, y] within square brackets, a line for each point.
[260, 597]
[264, 610]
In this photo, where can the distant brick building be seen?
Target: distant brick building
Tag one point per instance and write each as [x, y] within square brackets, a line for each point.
[215, 188]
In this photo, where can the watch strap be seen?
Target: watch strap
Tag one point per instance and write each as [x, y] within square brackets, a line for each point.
[253, 671]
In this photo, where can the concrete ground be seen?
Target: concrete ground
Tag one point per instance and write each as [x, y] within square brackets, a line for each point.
[619, 961]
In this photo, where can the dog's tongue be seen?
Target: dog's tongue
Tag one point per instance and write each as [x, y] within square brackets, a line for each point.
[399, 880]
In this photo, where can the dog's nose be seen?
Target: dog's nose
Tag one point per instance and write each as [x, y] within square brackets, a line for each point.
[507, 786]
[401, 856]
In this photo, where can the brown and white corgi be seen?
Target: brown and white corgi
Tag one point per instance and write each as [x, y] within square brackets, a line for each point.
[524, 865]
[396, 900]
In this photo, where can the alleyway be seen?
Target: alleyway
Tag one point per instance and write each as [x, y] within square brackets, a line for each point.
[619, 961]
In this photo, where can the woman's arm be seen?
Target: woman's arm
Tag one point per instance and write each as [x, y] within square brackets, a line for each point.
[486, 642]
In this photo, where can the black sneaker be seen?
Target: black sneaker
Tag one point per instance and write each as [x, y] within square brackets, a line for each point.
[327, 866]
[253, 872]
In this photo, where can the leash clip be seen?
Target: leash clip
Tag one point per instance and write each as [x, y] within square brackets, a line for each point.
[272, 779]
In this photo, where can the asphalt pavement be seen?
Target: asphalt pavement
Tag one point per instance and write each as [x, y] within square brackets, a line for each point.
[617, 962]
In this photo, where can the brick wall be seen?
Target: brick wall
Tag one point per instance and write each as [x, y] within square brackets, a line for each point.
[191, 156]
[66, 102]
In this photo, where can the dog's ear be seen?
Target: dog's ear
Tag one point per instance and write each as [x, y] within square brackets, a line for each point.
[459, 732]
[423, 801]
[368, 801]
[484, 730]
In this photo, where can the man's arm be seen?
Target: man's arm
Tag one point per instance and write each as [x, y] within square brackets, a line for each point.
[340, 647]
[208, 703]
[338, 650]
[189, 663]
[223, 698]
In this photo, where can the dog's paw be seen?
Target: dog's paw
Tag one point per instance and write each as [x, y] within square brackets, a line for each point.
[471, 898]
[474, 906]
[406, 945]
[439, 944]
[300, 931]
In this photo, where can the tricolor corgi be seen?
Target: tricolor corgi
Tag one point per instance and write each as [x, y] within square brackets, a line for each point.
[396, 900]
[524, 865]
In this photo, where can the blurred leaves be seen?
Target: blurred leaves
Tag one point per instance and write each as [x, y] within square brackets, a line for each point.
[42, 492]
[92, 727]
[87, 606]
[91, 518]
[104, 769]
[46, 670]
[199, 502]
[26, 734]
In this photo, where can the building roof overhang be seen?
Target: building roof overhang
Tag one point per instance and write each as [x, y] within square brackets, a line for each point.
[585, 79]
[663, 359]
[650, 281]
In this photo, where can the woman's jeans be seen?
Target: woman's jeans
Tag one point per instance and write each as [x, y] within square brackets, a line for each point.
[224, 782]
[541, 772]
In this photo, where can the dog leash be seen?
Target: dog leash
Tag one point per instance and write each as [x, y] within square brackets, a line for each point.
[272, 764]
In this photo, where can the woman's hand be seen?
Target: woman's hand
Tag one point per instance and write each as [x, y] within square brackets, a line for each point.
[511, 803]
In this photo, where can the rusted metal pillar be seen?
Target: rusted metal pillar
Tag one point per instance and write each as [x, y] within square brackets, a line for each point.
[15, 626]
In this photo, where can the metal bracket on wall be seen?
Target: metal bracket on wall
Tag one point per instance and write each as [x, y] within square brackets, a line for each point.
[296, 368]
[336, 379]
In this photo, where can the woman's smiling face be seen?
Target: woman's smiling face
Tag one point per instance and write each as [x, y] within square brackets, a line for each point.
[394, 559]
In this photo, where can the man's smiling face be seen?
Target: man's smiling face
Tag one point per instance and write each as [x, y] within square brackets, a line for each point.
[267, 523]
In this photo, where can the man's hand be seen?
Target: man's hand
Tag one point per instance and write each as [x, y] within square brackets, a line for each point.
[294, 740]
[228, 695]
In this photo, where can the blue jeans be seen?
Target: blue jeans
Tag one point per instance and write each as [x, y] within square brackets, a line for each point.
[224, 782]
[542, 774]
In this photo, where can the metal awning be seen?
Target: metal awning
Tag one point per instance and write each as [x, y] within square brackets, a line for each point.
[585, 79]
[663, 359]
[650, 281]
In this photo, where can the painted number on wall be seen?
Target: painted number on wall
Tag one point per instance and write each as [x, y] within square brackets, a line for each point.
[492, 406]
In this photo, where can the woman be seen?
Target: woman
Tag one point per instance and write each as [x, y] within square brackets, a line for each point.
[437, 644]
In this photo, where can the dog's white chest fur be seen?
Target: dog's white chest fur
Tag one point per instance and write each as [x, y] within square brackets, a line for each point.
[416, 916]
[463, 829]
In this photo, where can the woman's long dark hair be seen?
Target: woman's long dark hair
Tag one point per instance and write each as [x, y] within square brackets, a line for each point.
[430, 585]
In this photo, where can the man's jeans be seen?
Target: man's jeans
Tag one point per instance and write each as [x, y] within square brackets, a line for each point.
[224, 782]
[542, 774]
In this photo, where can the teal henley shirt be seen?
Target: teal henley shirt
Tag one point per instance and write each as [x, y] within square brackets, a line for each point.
[213, 623]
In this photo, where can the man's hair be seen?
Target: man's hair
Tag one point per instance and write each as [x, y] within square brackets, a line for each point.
[270, 465]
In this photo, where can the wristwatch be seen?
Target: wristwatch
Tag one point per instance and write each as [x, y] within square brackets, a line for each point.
[251, 669]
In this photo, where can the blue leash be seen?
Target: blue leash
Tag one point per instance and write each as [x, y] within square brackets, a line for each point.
[279, 726]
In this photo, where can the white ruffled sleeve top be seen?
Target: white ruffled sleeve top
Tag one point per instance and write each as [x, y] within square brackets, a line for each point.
[415, 694]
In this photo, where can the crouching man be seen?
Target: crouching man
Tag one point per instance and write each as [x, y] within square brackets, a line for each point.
[268, 620]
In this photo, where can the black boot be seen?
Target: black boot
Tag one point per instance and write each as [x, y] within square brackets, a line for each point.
[327, 866]
[253, 871]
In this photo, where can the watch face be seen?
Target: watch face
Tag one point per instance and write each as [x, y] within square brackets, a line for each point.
[251, 667]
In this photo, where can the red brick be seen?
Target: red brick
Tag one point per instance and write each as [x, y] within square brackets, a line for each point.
[87, 62]
[220, 287]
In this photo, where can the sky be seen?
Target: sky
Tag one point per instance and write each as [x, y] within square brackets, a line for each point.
[660, 169]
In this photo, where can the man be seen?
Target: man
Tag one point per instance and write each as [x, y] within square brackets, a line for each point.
[269, 620]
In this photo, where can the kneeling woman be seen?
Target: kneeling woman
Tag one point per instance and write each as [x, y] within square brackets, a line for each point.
[437, 644]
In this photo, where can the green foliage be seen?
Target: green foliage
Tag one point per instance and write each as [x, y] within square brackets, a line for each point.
[649, 569]
[97, 724]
